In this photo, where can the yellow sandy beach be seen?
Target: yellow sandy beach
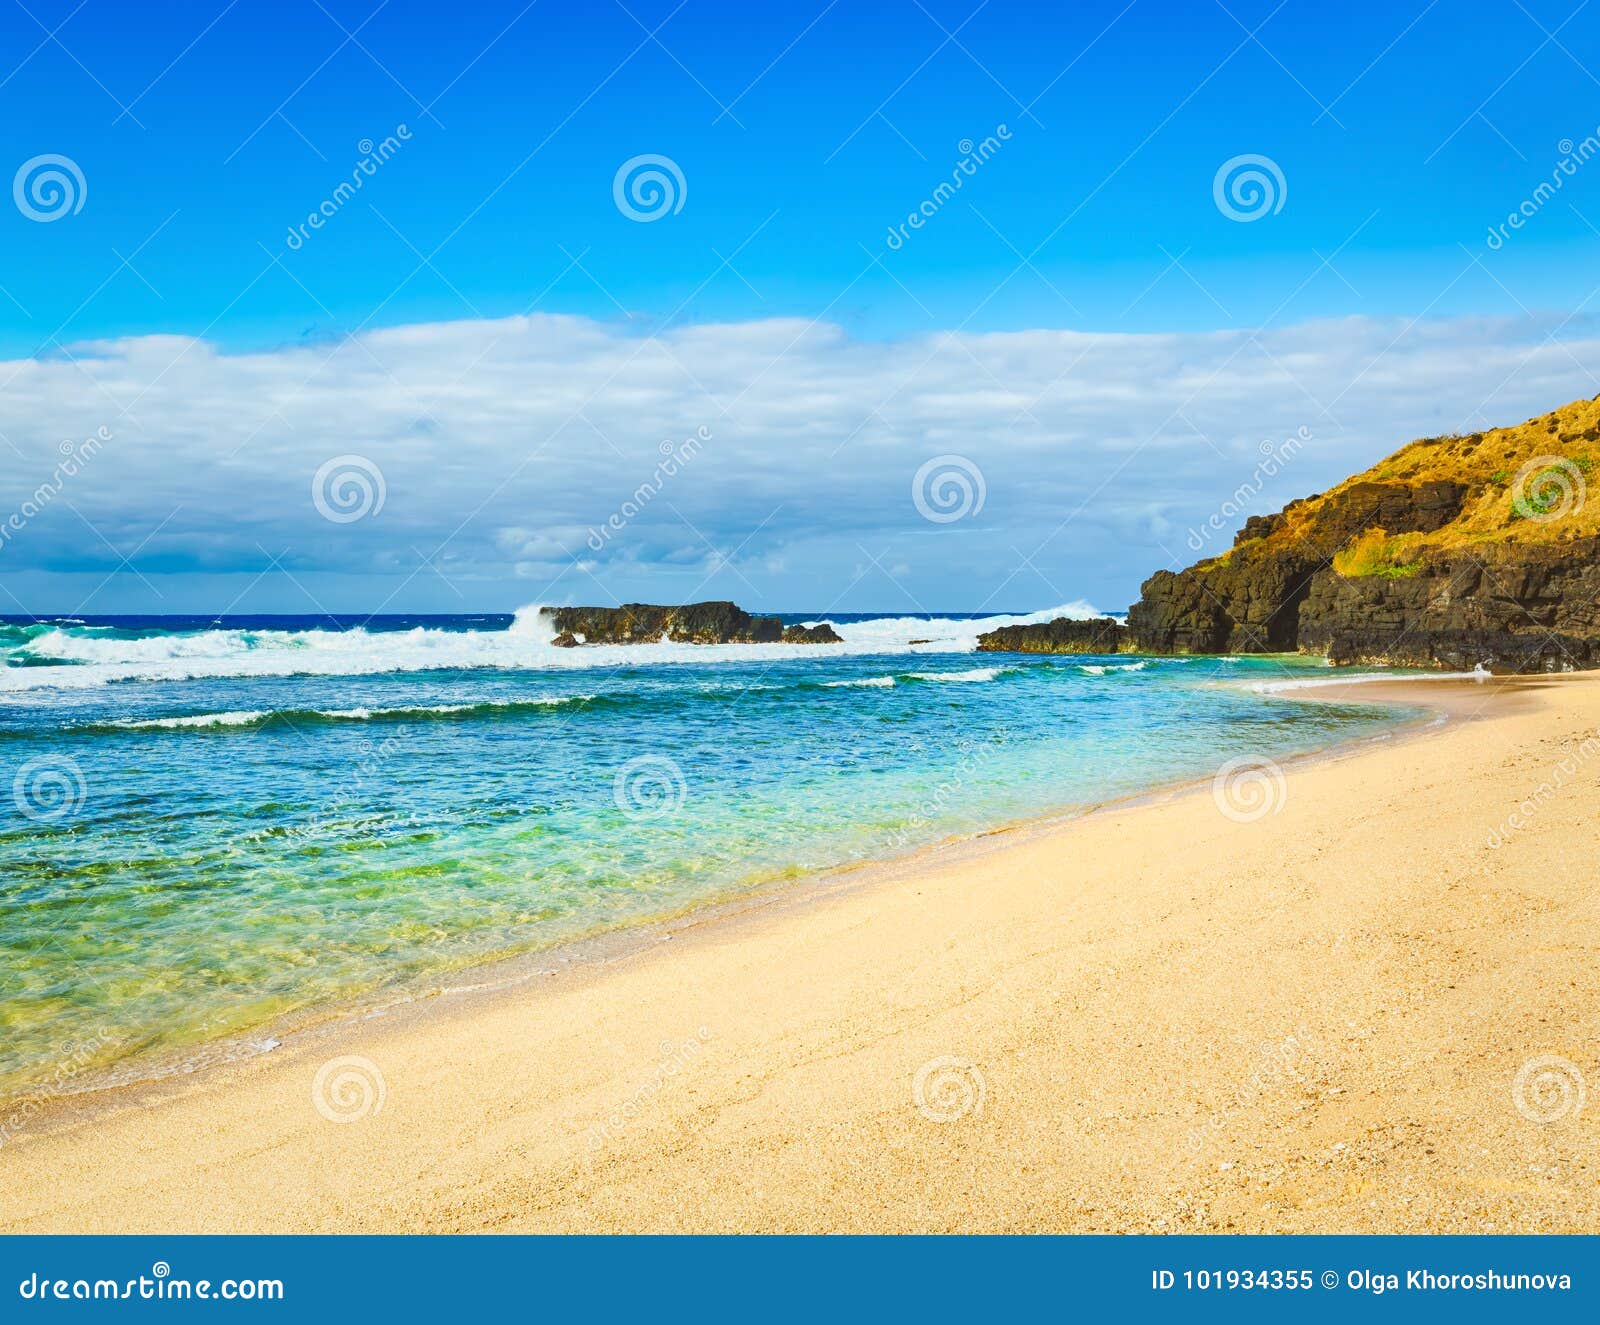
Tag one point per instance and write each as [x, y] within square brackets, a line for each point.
[1153, 1018]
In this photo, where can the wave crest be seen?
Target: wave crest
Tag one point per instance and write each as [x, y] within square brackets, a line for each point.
[63, 656]
[398, 713]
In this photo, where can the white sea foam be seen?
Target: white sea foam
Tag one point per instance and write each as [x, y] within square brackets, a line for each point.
[244, 717]
[936, 635]
[971, 674]
[1100, 669]
[83, 657]
[238, 718]
[975, 674]
[1316, 682]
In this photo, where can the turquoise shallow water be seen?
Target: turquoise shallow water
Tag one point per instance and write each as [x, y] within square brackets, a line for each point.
[209, 827]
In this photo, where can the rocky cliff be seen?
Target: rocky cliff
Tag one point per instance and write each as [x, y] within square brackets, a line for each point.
[1251, 600]
[1455, 550]
[1527, 610]
[693, 623]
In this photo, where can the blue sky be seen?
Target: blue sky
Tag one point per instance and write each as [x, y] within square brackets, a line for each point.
[1399, 134]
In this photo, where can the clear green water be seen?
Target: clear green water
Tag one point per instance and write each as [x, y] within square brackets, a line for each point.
[202, 830]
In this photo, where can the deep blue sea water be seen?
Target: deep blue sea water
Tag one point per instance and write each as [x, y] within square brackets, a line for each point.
[208, 825]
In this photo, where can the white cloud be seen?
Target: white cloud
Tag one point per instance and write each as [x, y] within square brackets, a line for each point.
[503, 444]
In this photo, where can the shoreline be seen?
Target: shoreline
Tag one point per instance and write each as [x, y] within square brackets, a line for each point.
[138, 1081]
[785, 1040]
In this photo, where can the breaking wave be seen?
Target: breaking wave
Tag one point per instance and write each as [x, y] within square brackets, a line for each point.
[54, 655]
[976, 674]
[303, 717]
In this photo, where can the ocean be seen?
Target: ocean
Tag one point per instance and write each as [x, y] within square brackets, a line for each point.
[216, 826]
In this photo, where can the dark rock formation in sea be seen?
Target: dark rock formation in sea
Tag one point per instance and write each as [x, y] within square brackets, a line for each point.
[693, 623]
[1454, 551]
[821, 633]
[1063, 635]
